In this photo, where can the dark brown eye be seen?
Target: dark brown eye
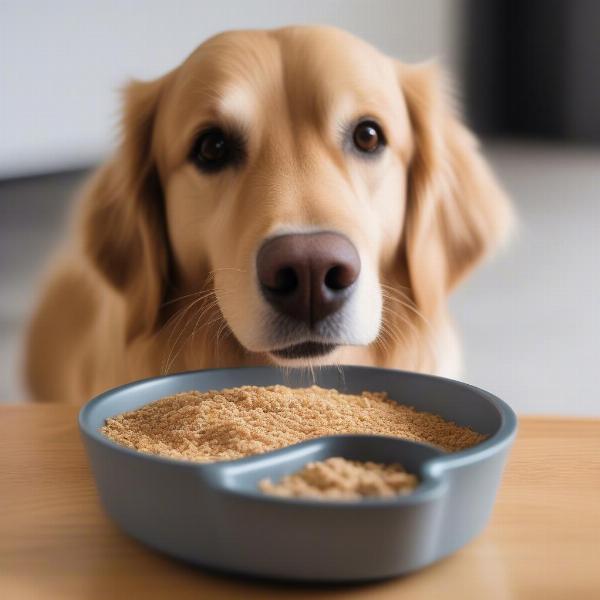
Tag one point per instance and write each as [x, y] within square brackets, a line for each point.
[367, 136]
[213, 150]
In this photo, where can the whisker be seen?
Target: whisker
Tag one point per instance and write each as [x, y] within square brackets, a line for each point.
[168, 363]
[400, 297]
[179, 298]
[391, 294]
[173, 354]
[178, 317]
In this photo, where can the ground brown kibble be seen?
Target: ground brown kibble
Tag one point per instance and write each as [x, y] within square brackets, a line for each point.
[237, 422]
[337, 478]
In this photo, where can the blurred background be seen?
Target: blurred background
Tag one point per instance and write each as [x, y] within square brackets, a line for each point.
[528, 74]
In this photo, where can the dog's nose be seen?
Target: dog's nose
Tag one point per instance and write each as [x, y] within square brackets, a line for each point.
[308, 276]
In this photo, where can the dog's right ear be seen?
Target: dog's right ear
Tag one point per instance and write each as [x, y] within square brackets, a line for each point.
[124, 233]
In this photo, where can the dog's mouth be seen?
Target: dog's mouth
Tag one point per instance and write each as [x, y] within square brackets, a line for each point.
[304, 350]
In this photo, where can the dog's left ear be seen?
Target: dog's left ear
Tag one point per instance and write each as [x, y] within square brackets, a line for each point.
[456, 210]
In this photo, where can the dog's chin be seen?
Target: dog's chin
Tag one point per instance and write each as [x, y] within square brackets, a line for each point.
[303, 352]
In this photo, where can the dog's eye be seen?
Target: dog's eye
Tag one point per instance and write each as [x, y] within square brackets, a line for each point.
[367, 136]
[213, 150]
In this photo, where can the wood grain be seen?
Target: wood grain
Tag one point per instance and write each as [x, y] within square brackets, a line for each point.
[55, 542]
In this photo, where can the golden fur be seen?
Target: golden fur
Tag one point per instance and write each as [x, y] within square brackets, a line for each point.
[158, 275]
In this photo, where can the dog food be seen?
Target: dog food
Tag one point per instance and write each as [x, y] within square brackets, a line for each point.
[238, 422]
[340, 479]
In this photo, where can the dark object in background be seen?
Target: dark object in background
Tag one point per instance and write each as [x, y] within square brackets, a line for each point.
[533, 68]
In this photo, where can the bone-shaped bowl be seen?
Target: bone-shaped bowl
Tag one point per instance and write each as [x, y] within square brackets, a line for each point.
[213, 514]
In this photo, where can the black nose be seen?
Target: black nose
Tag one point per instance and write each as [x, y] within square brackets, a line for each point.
[308, 276]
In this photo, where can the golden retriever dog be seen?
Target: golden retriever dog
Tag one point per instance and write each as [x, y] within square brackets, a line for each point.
[289, 197]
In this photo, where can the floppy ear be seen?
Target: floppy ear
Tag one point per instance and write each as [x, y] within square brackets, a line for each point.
[456, 211]
[123, 229]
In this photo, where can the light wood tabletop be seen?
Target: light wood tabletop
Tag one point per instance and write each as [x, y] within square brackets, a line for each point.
[543, 541]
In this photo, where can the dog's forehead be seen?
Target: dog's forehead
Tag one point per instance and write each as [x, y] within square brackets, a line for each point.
[311, 63]
[290, 52]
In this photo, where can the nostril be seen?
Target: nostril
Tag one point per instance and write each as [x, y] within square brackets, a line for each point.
[286, 281]
[340, 277]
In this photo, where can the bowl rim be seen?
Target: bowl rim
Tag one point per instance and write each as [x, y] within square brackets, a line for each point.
[434, 468]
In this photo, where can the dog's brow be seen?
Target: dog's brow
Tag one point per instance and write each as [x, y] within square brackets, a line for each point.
[236, 105]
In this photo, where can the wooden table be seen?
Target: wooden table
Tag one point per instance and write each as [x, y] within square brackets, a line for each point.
[55, 542]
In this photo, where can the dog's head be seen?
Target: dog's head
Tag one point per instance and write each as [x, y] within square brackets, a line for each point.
[321, 189]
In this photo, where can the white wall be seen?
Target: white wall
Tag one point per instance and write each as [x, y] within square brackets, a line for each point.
[62, 62]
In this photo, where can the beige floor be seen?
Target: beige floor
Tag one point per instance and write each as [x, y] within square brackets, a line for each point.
[530, 319]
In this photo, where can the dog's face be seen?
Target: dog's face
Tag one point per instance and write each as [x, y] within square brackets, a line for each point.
[296, 171]
[283, 136]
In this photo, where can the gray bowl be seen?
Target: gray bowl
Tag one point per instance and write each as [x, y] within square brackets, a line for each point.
[213, 515]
